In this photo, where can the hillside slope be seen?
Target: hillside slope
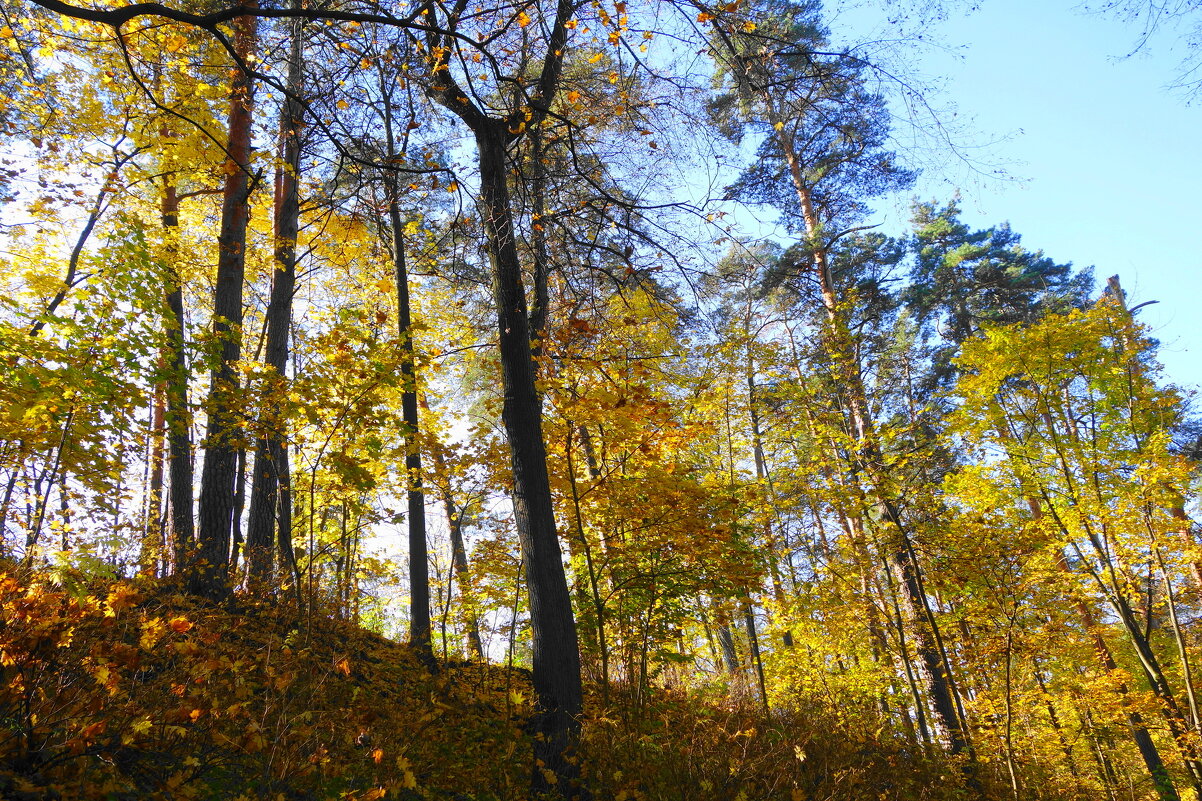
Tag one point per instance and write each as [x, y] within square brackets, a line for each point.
[129, 689]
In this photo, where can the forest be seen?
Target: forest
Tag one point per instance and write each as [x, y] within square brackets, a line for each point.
[505, 400]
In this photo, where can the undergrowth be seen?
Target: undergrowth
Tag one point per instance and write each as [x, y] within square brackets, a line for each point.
[129, 689]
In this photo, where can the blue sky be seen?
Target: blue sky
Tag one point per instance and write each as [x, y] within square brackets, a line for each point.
[1105, 157]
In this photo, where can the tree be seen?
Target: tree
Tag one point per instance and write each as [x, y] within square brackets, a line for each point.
[209, 574]
[271, 497]
[1070, 405]
[964, 281]
[825, 135]
[556, 655]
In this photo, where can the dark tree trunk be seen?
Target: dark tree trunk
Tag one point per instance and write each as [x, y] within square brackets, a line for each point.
[269, 450]
[239, 505]
[556, 655]
[419, 568]
[210, 575]
[556, 673]
[541, 256]
[179, 424]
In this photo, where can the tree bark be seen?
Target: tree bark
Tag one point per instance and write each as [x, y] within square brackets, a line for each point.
[270, 452]
[209, 576]
[178, 420]
[419, 568]
[556, 655]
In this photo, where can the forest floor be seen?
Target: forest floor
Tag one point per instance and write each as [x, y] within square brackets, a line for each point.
[131, 690]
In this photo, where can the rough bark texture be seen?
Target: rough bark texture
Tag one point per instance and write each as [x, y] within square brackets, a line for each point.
[179, 443]
[419, 568]
[210, 575]
[556, 657]
[269, 449]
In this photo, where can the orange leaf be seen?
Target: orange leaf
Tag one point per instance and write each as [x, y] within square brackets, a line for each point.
[122, 598]
[181, 624]
[92, 730]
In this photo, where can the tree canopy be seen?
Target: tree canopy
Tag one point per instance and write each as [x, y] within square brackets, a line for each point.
[435, 320]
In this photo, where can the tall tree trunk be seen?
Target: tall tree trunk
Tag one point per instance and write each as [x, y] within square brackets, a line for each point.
[210, 575]
[178, 420]
[270, 452]
[870, 463]
[419, 567]
[1148, 751]
[868, 460]
[541, 261]
[556, 654]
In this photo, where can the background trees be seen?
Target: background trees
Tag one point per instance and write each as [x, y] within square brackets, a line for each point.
[927, 481]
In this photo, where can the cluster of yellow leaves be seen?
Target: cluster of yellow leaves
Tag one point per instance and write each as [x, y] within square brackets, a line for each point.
[131, 690]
